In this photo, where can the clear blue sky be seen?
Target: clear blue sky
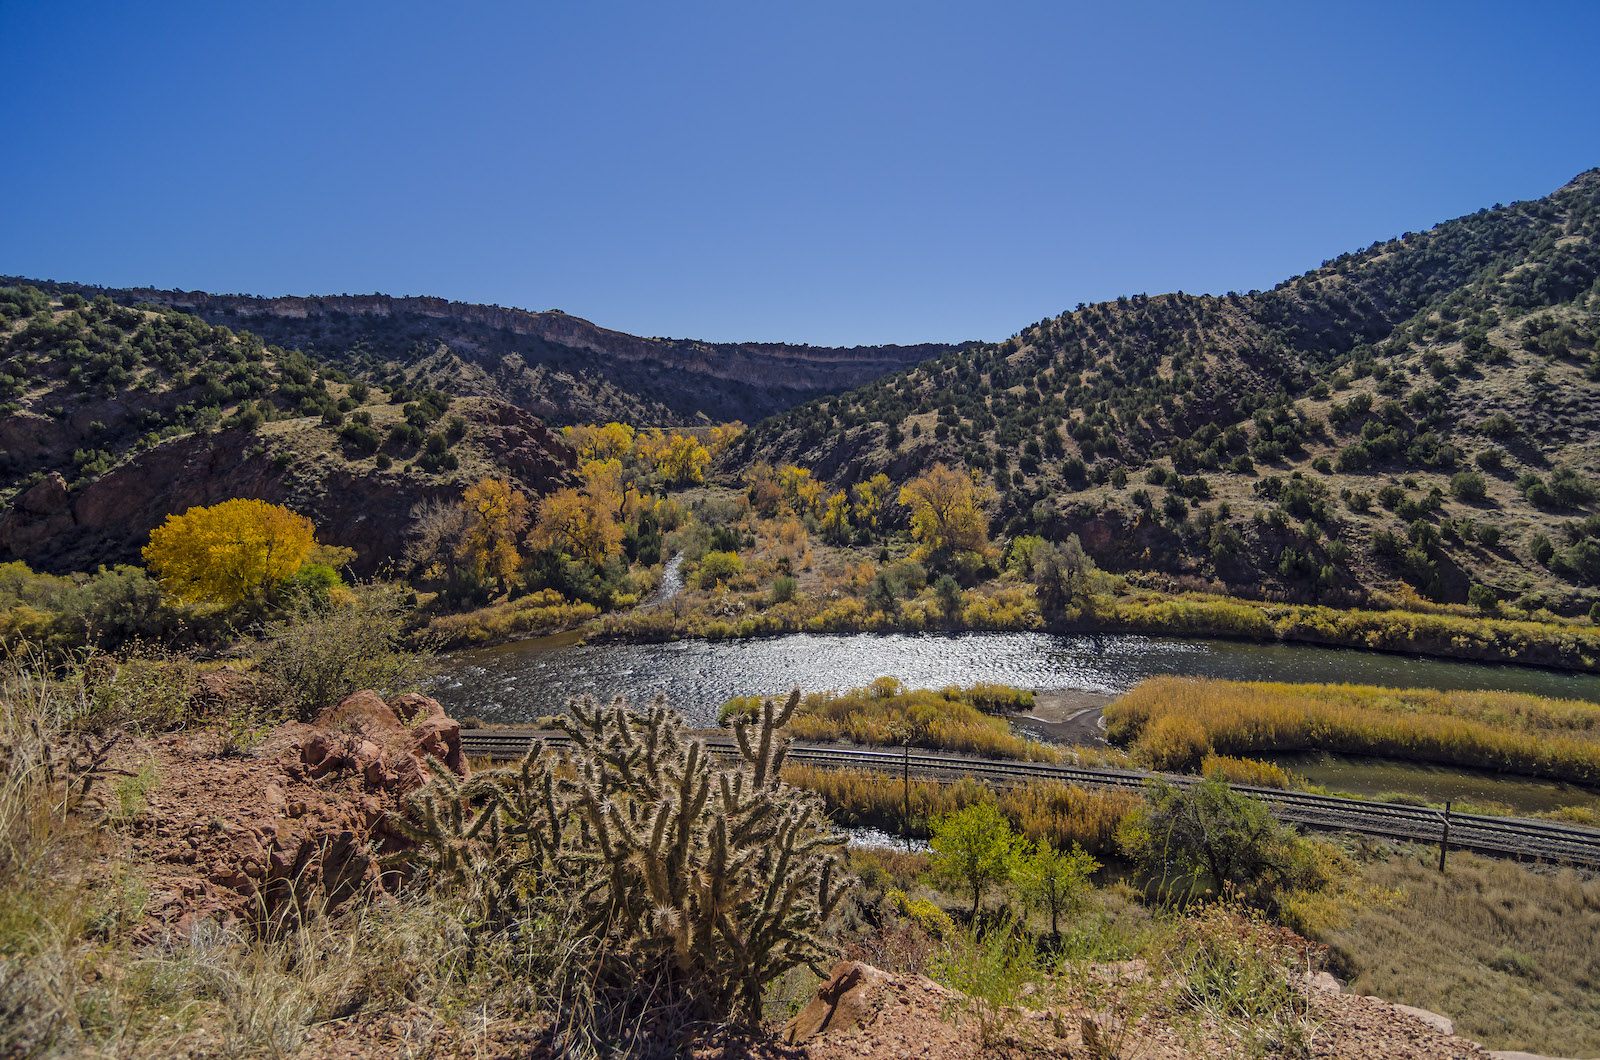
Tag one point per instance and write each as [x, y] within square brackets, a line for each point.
[819, 172]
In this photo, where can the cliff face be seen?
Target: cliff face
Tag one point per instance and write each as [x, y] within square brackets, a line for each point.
[671, 379]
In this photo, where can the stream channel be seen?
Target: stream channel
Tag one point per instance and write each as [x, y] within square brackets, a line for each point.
[516, 683]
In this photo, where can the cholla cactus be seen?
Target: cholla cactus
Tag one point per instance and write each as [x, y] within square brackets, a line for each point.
[716, 876]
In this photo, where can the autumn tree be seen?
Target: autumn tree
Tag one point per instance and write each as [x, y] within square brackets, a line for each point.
[836, 519]
[800, 489]
[724, 435]
[228, 552]
[612, 488]
[497, 512]
[947, 512]
[761, 487]
[613, 441]
[683, 460]
[870, 496]
[575, 522]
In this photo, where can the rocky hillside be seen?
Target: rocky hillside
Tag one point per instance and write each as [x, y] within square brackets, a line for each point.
[1423, 411]
[557, 366]
[112, 417]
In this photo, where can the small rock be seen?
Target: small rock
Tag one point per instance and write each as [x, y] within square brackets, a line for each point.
[1442, 1024]
[841, 1003]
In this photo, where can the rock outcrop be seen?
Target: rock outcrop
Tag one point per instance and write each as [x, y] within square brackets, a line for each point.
[299, 823]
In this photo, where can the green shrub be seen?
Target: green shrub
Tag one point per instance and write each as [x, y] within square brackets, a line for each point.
[316, 655]
[719, 567]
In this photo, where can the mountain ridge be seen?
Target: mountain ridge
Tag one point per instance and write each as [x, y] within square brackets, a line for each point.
[786, 373]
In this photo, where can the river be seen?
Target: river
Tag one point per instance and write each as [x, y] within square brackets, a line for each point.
[515, 683]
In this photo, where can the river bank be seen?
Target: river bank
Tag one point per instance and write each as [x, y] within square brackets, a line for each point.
[1443, 633]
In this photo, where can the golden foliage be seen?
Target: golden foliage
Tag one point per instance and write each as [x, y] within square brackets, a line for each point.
[724, 435]
[577, 523]
[836, 518]
[947, 511]
[1167, 718]
[229, 551]
[870, 497]
[611, 488]
[682, 460]
[800, 489]
[498, 512]
[614, 441]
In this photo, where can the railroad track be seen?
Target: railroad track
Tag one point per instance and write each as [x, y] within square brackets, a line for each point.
[1518, 836]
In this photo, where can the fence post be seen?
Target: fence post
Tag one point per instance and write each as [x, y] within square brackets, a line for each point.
[1444, 837]
[906, 819]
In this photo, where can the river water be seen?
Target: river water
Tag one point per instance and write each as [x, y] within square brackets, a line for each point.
[515, 683]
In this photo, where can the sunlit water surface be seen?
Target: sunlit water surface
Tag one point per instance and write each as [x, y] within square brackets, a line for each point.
[515, 683]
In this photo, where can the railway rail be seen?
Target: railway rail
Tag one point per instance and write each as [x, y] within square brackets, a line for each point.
[1516, 836]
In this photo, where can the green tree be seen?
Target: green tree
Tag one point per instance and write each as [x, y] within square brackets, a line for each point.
[1060, 575]
[1054, 881]
[1187, 835]
[974, 848]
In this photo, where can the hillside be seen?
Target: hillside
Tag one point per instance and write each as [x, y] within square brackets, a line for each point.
[559, 367]
[1419, 411]
[111, 417]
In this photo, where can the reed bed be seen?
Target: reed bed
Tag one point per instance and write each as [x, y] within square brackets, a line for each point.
[1568, 645]
[533, 615]
[1173, 723]
[1051, 810]
[887, 714]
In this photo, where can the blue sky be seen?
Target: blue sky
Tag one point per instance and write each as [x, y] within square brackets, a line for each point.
[833, 173]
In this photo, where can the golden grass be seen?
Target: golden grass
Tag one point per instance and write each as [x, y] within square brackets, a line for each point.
[1511, 952]
[887, 714]
[1172, 722]
[537, 613]
[1059, 813]
[1563, 644]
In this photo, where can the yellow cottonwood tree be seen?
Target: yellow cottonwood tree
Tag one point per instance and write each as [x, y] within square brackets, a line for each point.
[724, 435]
[803, 492]
[836, 519]
[497, 514]
[230, 551]
[612, 489]
[610, 442]
[946, 512]
[577, 523]
[871, 496]
[683, 461]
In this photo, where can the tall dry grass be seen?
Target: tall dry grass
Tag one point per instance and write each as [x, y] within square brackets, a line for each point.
[1509, 951]
[1052, 811]
[1174, 722]
[887, 714]
[75, 982]
[1541, 643]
